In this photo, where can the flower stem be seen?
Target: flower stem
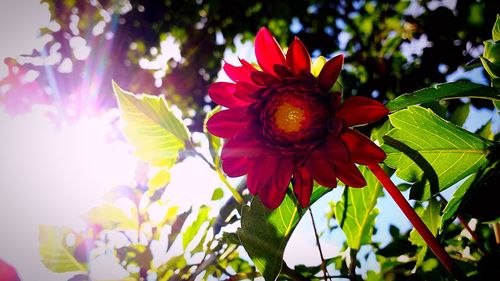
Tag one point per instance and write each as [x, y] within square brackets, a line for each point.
[323, 263]
[417, 222]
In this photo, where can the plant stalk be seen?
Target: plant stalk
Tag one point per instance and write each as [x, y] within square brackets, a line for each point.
[323, 263]
[417, 222]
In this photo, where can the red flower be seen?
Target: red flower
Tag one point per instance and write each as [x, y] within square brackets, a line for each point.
[283, 124]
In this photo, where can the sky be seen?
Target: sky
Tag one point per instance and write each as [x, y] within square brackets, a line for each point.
[52, 176]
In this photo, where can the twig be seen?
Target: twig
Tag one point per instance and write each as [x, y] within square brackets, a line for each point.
[323, 263]
[417, 222]
[496, 229]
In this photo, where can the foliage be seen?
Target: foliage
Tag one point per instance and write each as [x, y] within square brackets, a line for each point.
[425, 139]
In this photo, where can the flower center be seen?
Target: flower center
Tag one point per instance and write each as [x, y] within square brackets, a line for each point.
[289, 117]
[295, 118]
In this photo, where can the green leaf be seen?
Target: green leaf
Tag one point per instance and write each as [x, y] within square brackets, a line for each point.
[476, 193]
[177, 227]
[159, 180]
[460, 89]
[485, 131]
[193, 229]
[214, 143]
[456, 200]
[217, 194]
[495, 33]
[110, 217]
[492, 52]
[55, 253]
[151, 127]
[431, 151]
[356, 210]
[264, 233]
[460, 114]
[431, 219]
[491, 68]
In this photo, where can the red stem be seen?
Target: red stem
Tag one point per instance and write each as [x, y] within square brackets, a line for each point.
[417, 222]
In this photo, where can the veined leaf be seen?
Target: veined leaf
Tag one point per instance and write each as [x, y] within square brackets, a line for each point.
[110, 217]
[460, 89]
[151, 127]
[356, 211]
[431, 151]
[55, 253]
[264, 233]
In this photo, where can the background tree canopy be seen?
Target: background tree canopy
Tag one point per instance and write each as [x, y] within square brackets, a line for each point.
[391, 47]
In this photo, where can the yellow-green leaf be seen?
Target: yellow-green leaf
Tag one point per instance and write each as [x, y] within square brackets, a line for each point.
[356, 211]
[432, 152]
[110, 217]
[151, 127]
[56, 255]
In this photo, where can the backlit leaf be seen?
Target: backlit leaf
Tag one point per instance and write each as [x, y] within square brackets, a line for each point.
[460, 89]
[495, 33]
[56, 255]
[431, 151]
[430, 216]
[356, 210]
[264, 233]
[110, 217]
[156, 133]
[193, 229]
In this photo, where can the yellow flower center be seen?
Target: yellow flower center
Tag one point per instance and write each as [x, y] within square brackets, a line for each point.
[289, 118]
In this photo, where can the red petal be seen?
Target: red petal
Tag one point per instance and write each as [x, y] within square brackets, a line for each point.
[223, 93]
[269, 178]
[244, 90]
[227, 123]
[268, 51]
[7, 272]
[361, 149]
[237, 73]
[330, 72]
[298, 57]
[248, 66]
[349, 174]
[302, 186]
[263, 78]
[336, 149]
[321, 169]
[361, 110]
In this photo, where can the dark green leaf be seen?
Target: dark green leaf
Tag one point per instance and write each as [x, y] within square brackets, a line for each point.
[460, 89]
[356, 210]
[460, 114]
[431, 151]
[156, 133]
[264, 233]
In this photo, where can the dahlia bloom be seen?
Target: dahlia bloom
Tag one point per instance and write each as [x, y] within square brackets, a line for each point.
[283, 124]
